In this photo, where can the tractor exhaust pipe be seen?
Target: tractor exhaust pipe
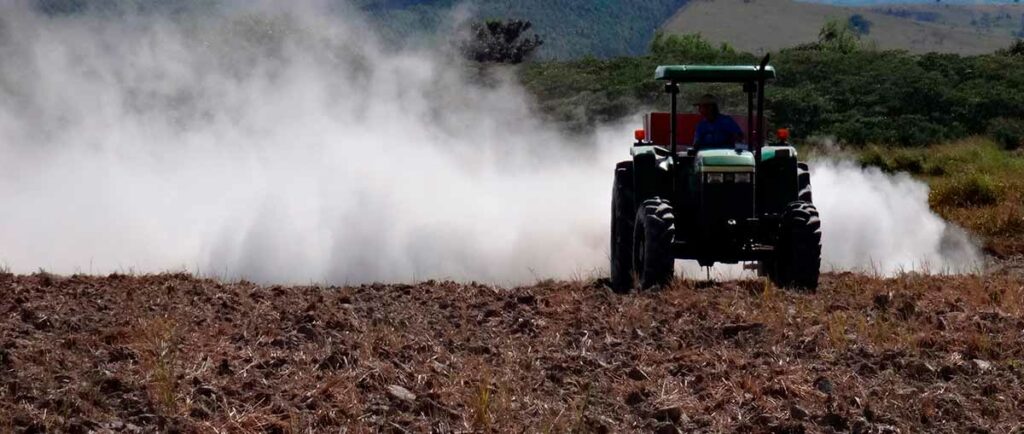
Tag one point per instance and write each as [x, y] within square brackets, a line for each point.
[760, 108]
[673, 89]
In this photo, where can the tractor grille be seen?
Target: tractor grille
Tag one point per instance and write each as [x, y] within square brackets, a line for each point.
[727, 201]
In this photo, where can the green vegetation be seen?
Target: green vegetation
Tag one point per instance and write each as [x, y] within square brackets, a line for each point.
[968, 191]
[859, 96]
[1007, 132]
[838, 37]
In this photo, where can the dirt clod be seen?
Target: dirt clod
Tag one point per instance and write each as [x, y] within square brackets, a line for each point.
[636, 397]
[636, 374]
[400, 393]
[672, 414]
[836, 421]
[666, 428]
[798, 413]
[733, 330]
[883, 300]
[824, 385]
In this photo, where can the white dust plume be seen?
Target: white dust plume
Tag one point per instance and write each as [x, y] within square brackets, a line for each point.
[281, 142]
[881, 224]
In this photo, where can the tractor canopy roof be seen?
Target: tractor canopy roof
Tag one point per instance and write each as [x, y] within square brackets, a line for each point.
[713, 73]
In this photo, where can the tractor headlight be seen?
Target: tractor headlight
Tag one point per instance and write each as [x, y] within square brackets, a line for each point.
[743, 178]
[714, 178]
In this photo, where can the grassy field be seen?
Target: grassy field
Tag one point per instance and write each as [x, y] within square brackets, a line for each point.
[975, 183]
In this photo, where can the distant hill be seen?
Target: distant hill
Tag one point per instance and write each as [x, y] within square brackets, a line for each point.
[609, 28]
[998, 19]
[570, 28]
[768, 25]
[909, 2]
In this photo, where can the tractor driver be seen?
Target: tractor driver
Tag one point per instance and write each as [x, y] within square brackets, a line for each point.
[715, 130]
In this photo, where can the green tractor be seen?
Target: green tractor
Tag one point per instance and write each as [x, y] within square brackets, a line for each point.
[676, 200]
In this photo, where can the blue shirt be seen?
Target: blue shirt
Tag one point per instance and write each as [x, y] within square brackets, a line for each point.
[719, 133]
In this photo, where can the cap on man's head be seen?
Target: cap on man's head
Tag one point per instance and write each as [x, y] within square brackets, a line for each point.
[707, 99]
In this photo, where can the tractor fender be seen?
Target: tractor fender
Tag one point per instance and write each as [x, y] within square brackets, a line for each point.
[645, 173]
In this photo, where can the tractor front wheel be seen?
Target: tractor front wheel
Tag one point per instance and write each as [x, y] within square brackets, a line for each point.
[653, 233]
[797, 260]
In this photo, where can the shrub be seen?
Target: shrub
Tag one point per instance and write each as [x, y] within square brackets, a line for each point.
[1009, 133]
[839, 37]
[1015, 49]
[933, 169]
[915, 130]
[1006, 219]
[967, 191]
[873, 157]
[688, 48]
[891, 160]
[908, 162]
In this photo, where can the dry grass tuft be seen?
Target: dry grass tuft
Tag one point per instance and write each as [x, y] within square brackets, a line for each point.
[159, 346]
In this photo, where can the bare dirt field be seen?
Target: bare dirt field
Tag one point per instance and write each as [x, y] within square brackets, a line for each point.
[173, 353]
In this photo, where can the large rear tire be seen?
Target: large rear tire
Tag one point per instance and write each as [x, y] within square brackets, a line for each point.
[797, 260]
[623, 213]
[803, 176]
[653, 233]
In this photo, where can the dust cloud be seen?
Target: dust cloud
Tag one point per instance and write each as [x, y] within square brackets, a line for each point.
[285, 143]
[881, 224]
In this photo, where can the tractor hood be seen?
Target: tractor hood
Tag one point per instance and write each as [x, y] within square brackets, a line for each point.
[770, 152]
[725, 160]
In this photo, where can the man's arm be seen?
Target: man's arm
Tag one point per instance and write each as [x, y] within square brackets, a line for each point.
[737, 132]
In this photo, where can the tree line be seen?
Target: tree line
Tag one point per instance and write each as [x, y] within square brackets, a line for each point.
[836, 87]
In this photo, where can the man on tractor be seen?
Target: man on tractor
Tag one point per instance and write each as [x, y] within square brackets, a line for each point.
[709, 204]
[715, 131]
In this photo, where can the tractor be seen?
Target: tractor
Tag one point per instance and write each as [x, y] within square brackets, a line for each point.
[675, 199]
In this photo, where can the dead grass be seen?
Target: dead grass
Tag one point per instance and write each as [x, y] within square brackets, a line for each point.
[158, 347]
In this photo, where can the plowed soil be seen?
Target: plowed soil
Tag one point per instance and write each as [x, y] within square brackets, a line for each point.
[173, 353]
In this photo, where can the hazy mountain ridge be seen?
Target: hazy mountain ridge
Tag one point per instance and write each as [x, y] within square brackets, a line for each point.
[610, 28]
[570, 28]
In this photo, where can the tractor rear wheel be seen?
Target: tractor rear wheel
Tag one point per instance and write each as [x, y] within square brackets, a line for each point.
[797, 260]
[623, 213]
[653, 233]
[803, 176]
